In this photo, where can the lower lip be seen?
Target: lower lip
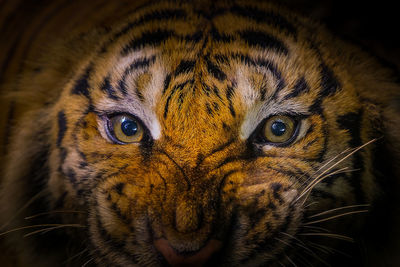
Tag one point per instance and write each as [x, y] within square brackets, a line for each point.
[197, 259]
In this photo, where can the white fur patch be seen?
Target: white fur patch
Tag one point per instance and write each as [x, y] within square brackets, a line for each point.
[245, 89]
[144, 110]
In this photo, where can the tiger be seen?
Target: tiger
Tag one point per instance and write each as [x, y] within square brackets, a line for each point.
[202, 133]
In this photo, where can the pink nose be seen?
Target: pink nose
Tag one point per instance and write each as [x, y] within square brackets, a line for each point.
[199, 258]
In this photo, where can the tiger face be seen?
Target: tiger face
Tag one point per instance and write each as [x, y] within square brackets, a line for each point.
[211, 137]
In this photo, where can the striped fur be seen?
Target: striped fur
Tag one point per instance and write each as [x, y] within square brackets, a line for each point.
[202, 77]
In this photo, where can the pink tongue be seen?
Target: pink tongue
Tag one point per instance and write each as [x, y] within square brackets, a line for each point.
[197, 259]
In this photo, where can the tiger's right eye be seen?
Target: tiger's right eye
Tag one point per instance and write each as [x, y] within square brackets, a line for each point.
[125, 129]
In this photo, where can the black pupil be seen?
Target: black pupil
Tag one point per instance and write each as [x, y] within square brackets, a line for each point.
[278, 128]
[129, 127]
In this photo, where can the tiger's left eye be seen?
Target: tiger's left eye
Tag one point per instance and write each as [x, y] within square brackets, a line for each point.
[279, 129]
[126, 129]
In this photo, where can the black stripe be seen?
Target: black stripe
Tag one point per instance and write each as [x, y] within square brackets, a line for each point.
[270, 66]
[178, 87]
[138, 64]
[209, 110]
[232, 109]
[82, 85]
[244, 59]
[220, 37]
[206, 89]
[71, 176]
[229, 94]
[62, 127]
[156, 37]
[330, 84]
[156, 15]
[316, 106]
[106, 87]
[216, 92]
[265, 17]
[216, 106]
[152, 38]
[167, 81]
[300, 87]
[139, 94]
[214, 70]
[263, 40]
[352, 122]
[119, 187]
[185, 66]
[230, 91]
[166, 108]
[195, 37]
[275, 72]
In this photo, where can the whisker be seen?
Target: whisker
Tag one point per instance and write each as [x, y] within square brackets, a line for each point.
[53, 228]
[27, 204]
[310, 204]
[304, 246]
[316, 228]
[317, 179]
[323, 176]
[86, 263]
[54, 211]
[290, 260]
[326, 164]
[283, 241]
[336, 236]
[74, 256]
[328, 249]
[302, 260]
[337, 209]
[316, 182]
[30, 226]
[337, 216]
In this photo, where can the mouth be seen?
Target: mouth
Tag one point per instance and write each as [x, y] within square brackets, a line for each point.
[187, 258]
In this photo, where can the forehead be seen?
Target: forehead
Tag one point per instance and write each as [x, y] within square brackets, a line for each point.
[189, 66]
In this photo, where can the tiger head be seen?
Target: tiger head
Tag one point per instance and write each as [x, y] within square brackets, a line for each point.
[211, 138]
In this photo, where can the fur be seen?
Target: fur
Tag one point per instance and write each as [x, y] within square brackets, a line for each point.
[204, 185]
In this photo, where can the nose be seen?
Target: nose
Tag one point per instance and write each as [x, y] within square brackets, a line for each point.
[194, 258]
[188, 217]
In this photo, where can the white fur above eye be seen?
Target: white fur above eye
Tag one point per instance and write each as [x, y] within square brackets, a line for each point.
[259, 111]
[133, 107]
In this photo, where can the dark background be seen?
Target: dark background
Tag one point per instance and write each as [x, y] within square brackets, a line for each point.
[374, 25]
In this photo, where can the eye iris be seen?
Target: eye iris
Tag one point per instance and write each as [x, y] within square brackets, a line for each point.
[278, 128]
[129, 127]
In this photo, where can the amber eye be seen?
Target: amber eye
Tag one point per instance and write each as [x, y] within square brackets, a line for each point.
[279, 129]
[125, 129]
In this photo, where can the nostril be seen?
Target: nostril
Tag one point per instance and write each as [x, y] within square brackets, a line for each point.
[195, 258]
[187, 217]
